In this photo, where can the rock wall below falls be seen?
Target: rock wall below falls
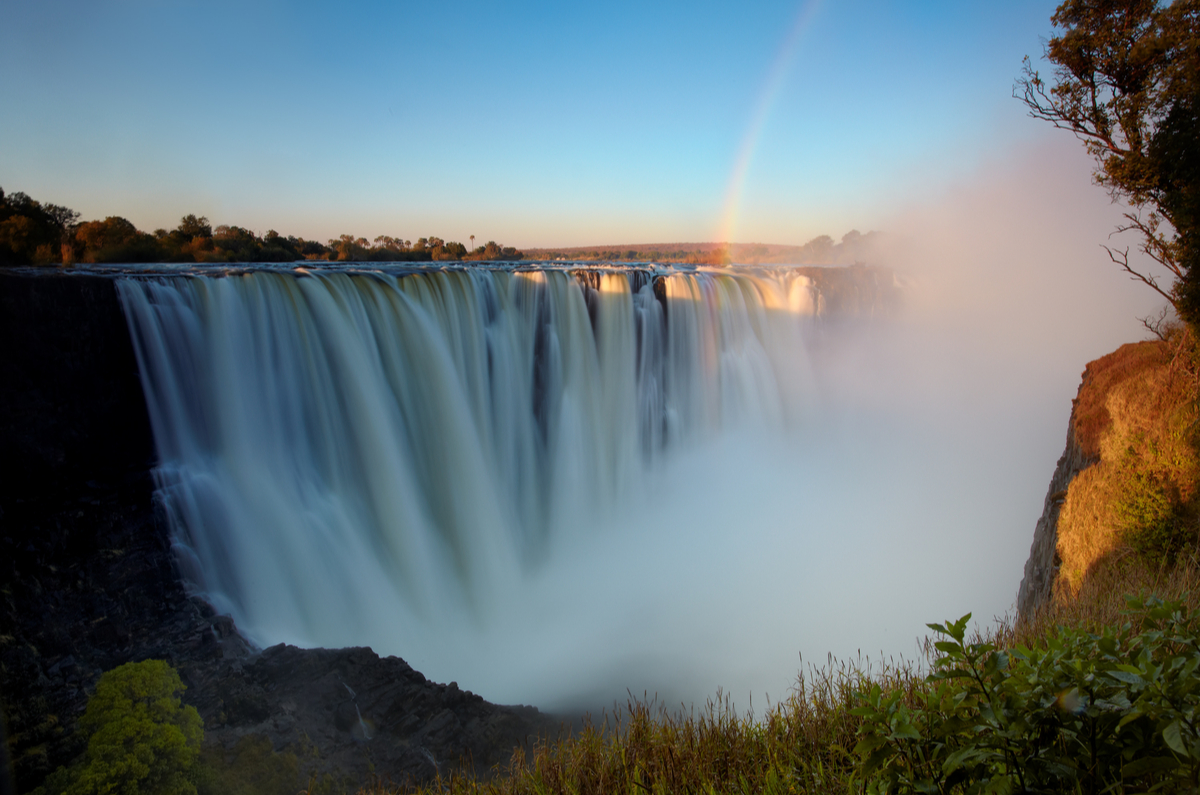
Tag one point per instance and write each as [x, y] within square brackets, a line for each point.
[88, 580]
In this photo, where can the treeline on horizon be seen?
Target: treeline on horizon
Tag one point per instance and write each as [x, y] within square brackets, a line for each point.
[854, 248]
[36, 233]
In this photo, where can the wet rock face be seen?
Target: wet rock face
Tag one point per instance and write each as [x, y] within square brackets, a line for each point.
[358, 712]
[72, 402]
[88, 580]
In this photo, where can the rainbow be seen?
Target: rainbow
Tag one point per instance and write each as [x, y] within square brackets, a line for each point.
[767, 96]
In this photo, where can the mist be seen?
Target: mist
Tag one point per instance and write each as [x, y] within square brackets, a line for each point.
[911, 495]
[897, 483]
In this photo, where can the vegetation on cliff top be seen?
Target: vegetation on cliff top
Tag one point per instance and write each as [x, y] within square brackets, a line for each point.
[854, 248]
[36, 233]
[33, 233]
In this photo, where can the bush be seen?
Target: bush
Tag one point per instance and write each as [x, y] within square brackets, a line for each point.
[1085, 712]
[140, 737]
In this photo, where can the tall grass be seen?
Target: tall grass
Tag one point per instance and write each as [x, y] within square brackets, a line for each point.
[803, 744]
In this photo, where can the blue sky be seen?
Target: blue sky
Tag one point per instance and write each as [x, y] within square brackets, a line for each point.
[529, 123]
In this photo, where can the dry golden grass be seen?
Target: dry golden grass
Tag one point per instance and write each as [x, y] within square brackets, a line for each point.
[1090, 416]
[1136, 413]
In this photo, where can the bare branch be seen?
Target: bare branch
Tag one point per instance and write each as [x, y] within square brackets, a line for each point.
[1158, 325]
[1122, 258]
[1155, 244]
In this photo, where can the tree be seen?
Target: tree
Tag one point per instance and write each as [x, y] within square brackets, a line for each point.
[818, 250]
[1126, 82]
[63, 217]
[32, 232]
[141, 738]
[190, 226]
[114, 239]
[350, 248]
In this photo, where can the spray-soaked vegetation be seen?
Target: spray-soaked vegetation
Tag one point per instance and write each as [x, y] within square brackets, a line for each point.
[141, 738]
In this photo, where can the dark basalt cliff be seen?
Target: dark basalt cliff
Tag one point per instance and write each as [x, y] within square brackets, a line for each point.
[1037, 584]
[89, 580]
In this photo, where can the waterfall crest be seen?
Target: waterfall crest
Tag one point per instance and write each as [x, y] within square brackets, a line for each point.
[345, 456]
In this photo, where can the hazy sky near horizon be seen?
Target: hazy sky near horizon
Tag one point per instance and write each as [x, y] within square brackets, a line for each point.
[531, 123]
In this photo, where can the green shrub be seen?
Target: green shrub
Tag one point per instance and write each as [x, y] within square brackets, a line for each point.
[251, 767]
[141, 739]
[1112, 712]
[1153, 523]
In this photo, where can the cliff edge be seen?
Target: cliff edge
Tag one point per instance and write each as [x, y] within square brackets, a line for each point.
[1124, 486]
[88, 581]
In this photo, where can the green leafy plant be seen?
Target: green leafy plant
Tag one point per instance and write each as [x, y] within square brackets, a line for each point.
[1090, 713]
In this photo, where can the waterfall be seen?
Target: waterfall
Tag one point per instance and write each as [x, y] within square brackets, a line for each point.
[372, 458]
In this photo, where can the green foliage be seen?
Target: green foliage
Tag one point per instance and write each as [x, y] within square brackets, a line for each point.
[1126, 82]
[251, 767]
[140, 737]
[1117, 711]
[32, 232]
[1153, 522]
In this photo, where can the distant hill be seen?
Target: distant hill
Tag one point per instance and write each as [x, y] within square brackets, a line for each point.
[823, 250]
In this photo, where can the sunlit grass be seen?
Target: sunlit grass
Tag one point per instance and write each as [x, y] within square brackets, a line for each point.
[802, 744]
[1136, 413]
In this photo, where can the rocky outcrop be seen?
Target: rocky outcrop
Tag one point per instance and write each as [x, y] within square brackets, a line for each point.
[1037, 585]
[88, 579]
[1090, 421]
[363, 715]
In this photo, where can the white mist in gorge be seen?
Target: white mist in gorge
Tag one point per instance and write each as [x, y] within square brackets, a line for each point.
[553, 487]
[441, 465]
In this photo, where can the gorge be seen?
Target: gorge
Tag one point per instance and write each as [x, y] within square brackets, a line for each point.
[685, 520]
[519, 407]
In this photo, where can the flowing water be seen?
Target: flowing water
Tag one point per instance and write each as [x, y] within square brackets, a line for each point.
[464, 467]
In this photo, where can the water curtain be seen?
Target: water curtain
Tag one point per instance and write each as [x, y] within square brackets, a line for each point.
[347, 454]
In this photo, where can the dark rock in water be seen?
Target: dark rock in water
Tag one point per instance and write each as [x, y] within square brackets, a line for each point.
[88, 580]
